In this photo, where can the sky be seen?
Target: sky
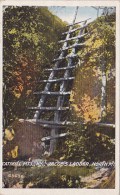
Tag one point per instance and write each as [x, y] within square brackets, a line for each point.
[67, 13]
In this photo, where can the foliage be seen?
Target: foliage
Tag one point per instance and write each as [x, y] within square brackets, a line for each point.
[86, 143]
[30, 35]
[99, 49]
[56, 177]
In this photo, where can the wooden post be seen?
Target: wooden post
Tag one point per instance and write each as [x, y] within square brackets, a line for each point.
[54, 131]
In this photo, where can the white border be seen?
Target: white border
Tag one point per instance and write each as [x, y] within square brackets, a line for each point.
[60, 3]
[68, 3]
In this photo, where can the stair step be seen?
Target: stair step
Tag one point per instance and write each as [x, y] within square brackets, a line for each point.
[112, 126]
[52, 126]
[63, 123]
[72, 46]
[55, 137]
[59, 123]
[51, 93]
[63, 58]
[78, 22]
[63, 68]
[73, 38]
[57, 80]
[73, 30]
[49, 108]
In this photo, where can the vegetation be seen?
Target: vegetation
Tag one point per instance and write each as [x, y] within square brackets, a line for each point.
[30, 35]
[67, 177]
[99, 49]
[86, 144]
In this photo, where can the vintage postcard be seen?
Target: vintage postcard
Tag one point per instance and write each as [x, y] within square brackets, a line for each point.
[60, 97]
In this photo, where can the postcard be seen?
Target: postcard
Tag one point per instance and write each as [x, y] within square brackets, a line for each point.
[60, 97]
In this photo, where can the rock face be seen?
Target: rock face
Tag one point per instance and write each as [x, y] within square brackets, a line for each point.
[22, 140]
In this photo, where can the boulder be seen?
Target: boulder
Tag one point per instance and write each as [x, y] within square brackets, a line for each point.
[22, 140]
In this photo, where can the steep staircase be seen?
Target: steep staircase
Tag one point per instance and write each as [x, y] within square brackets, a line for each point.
[63, 65]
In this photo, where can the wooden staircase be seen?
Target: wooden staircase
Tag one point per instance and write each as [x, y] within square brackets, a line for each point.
[66, 62]
[69, 57]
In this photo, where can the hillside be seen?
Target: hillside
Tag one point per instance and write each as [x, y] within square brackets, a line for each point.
[30, 36]
[99, 50]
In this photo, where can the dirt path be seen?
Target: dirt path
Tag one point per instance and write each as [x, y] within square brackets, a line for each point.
[98, 178]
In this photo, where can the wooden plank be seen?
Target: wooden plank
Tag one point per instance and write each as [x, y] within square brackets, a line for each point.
[73, 38]
[44, 122]
[63, 58]
[78, 22]
[63, 68]
[52, 93]
[63, 123]
[73, 30]
[57, 80]
[55, 137]
[48, 126]
[49, 108]
[72, 46]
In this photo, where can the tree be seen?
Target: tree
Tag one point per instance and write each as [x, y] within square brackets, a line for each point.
[30, 35]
